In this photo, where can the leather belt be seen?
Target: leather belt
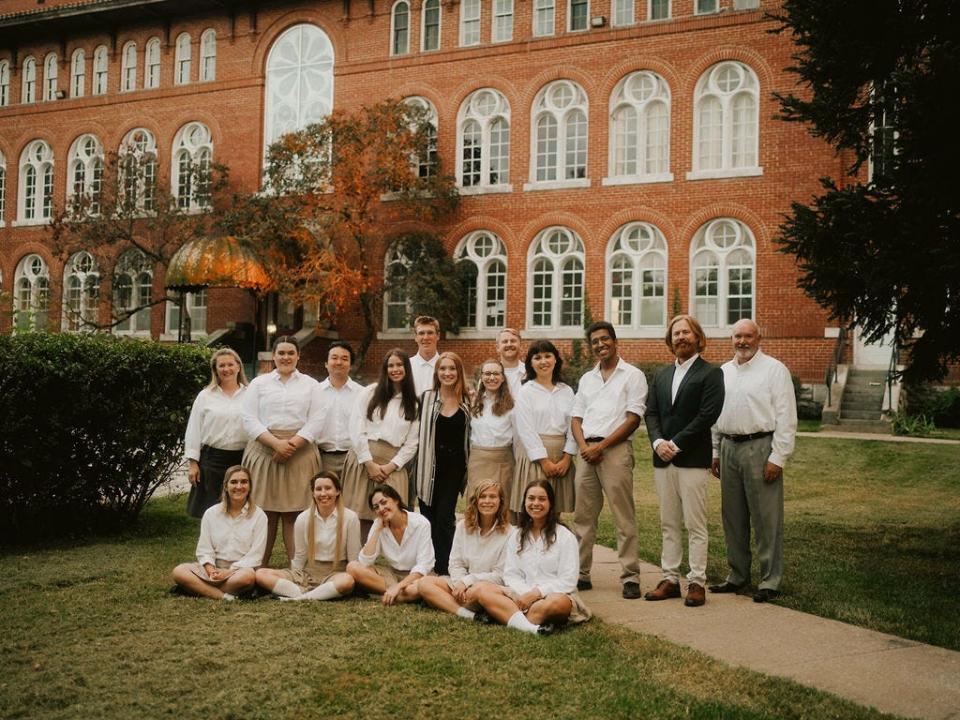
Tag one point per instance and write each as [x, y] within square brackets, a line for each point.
[594, 439]
[334, 452]
[751, 436]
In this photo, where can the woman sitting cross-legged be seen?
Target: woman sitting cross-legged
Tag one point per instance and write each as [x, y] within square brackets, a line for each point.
[478, 554]
[326, 537]
[402, 538]
[539, 591]
[233, 535]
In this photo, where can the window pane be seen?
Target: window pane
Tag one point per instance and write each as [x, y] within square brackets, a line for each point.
[578, 14]
[496, 300]
[543, 18]
[499, 152]
[576, 155]
[571, 307]
[546, 148]
[542, 293]
[502, 20]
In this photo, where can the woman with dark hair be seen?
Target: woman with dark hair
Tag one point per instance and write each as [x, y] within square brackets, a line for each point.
[215, 437]
[232, 537]
[441, 472]
[492, 430]
[402, 538]
[383, 432]
[327, 537]
[478, 554]
[547, 447]
[539, 591]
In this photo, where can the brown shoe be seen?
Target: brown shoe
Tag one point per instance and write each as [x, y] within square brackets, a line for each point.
[695, 595]
[665, 590]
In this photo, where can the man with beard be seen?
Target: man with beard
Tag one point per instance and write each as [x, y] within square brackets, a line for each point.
[508, 350]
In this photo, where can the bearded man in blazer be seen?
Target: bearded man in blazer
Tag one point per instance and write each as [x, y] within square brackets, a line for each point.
[684, 402]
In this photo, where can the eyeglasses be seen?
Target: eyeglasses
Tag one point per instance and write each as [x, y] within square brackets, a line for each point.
[491, 374]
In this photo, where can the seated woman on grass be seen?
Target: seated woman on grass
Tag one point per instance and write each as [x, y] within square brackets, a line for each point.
[478, 553]
[326, 537]
[402, 538]
[539, 591]
[233, 535]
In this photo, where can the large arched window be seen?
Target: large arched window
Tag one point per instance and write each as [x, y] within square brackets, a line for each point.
[100, 70]
[151, 64]
[426, 166]
[637, 277]
[400, 28]
[138, 170]
[430, 29]
[85, 172]
[726, 119]
[28, 80]
[555, 283]
[299, 88]
[559, 135]
[722, 273]
[36, 182]
[50, 77]
[78, 73]
[81, 292]
[31, 294]
[132, 292]
[208, 55]
[128, 67]
[396, 307]
[483, 141]
[640, 129]
[183, 56]
[4, 83]
[192, 157]
[483, 260]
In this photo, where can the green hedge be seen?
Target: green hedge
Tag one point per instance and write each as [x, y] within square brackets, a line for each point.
[90, 426]
[939, 406]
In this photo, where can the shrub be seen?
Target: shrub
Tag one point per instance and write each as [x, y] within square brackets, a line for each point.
[941, 407]
[90, 426]
[913, 425]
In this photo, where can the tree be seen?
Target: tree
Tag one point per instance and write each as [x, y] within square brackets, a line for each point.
[881, 245]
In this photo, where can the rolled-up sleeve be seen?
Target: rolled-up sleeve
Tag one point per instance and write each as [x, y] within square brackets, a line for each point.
[637, 393]
[193, 436]
[251, 412]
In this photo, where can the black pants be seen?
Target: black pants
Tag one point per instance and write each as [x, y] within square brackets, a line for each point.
[209, 491]
[442, 517]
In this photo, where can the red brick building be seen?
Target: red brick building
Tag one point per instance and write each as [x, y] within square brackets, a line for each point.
[616, 155]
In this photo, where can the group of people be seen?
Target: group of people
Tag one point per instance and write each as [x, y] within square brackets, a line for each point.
[339, 467]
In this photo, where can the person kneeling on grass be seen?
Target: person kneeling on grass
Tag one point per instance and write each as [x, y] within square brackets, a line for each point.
[233, 535]
[478, 553]
[539, 591]
[326, 538]
[402, 538]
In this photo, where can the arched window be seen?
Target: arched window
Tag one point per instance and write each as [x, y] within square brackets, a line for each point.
[555, 283]
[640, 128]
[4, 83]
[132, 292]
[726, 118]
[81, 292]
[425, 167]
[299, 88]
[50, 72]
[3, 186]
[430, 31]
[138, 170]
[400, 28]
[78, 73]
[128, 67]
[28, 74]
[722, 272]
[182, 58]
[469, 22]
[192, 157]
[151, 64]
[396, 308]
[208, 55]
[483, 140]
[100, 70]
[637, 277]
[31, 294]
[36, 182]
[559, 133]
[483, 261]
[85, 172]
[544, 12]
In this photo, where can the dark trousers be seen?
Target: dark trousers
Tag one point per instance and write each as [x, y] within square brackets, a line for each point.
[442, 517]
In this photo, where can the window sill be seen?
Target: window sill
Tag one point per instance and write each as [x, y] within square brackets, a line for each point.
[485, 189]
[556, 184]
[637, 179]
[473, 334]
[728, 173]
[29, 223]
[395, 334]
[565, 333]
[650, 333]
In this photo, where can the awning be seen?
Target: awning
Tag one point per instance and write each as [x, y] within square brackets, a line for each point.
[221, 262]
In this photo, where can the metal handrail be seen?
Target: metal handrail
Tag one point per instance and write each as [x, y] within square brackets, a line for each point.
[834, 362]
[892, 375]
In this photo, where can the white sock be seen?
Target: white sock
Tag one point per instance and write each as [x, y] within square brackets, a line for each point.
[518, 621]
[287, 588]
[465, 614]
[228, 596]
[327, 591]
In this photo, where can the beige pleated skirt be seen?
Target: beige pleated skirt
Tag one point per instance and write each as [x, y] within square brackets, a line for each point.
[357, 486]
[528, 471]
[490, 463]
[579, 612]
[281, 487]
[201, 572]
[314, 574]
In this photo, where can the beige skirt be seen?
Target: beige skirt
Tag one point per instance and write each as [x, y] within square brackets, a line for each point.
[281, 487]
[314, 574]
[527, 471]
[490, 463]
[201, 572]
[579, 612]
[357, 486]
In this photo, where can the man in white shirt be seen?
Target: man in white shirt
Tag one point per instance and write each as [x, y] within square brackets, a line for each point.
[508, 350]
[752, 440]
[609, 404]
[339, 393]
[426, 331]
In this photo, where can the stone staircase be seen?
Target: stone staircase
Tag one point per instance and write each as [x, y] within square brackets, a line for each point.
[861, 407]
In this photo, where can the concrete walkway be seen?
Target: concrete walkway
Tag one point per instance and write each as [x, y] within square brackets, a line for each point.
[836, 434]
[870, 668]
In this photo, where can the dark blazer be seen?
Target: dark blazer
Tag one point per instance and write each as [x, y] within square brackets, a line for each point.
[688, 420]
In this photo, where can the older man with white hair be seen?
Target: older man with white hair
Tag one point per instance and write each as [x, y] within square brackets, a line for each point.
[752, 440]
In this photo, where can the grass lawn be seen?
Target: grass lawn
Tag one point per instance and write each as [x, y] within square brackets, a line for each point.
[871, 536]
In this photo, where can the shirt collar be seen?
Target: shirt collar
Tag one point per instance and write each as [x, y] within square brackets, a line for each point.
[275, 374]
[620, 363]
[749, 362]
[316, 513]
[686, 364]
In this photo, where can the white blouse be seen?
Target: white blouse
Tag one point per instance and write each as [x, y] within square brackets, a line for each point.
[550, 570]
[492, 431]
[325, 537]
[391, 427]
[414, 552]
[475, 557]
[216, 419]
[238, 540]
[515, 376]
[544, 412]
[292, 405]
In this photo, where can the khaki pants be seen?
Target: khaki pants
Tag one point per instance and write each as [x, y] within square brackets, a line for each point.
[683, 501]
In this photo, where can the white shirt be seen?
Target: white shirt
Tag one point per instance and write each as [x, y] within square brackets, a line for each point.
[392, 427]
[414, 552]
[239, 540]
[515, 376]
[325, 537]
[292, 405]
[492, 431]
[680, 373]
[475, 557]
[544, 412]
[216, 419]
[603, 406]
[338, 405]
[550, 570]
[423, 372]
[758, 397]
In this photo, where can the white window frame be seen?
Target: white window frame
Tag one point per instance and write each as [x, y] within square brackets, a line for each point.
[715, 7]
[28, 80]
[4, 83]
[394, 47]
[132, 266]
[545, 106]
[644, 249]
[426, 168]
[485, 107]
[35, 201]
[183, 59]
[198, 307]
[85, 170]
[192, 153]
[746, 4]
[3, 188]
[624, 13]
[140, 143]
[424, 10]
[650, 17]
[128, 67]
[719, 239]
[560, 261]
[501, 9]
[631, 93]
[51, 75]
[208, 55]
[78, 73]
[586, 17]
[81, 293]
[151, 64]
[101, 70]
[544, 18]
[31, 294]
[395, 299]
[470, 25]
[485, 251]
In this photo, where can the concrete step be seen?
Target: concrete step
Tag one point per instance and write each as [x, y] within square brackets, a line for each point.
[851, 414]
[878, 427]
[872, 374]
